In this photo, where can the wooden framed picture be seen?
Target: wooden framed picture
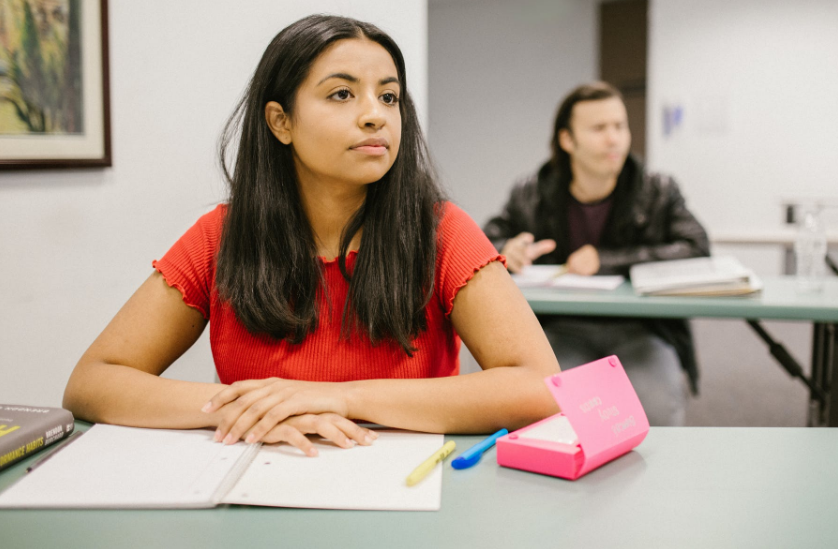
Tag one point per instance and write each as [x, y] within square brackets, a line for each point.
[54, 95]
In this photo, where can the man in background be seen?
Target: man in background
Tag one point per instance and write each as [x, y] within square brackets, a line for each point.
[593, 208]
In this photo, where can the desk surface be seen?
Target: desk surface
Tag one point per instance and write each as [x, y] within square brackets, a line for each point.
[779, 300]
[682, 487]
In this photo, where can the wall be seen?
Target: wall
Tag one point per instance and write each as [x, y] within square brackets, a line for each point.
[74, 245]
[757, 83]
[497, 71]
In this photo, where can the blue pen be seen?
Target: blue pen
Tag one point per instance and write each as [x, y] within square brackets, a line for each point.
[472, 455]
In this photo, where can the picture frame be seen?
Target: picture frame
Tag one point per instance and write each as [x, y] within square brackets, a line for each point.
[54, 84]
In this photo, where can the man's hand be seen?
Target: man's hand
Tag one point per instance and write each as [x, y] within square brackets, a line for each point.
[584, 261]
[521, 251]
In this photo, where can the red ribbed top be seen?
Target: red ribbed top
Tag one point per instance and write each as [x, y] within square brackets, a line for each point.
[189, 266]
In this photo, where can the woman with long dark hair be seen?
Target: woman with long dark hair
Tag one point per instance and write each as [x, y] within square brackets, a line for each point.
[337, 281]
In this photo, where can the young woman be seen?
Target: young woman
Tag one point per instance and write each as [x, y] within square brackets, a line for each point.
[337, 281]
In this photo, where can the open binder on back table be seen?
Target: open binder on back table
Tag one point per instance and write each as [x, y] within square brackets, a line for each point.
[699, 276]
[126, 467]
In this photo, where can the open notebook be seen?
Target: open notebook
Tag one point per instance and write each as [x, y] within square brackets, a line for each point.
[125, 467]
[556, 276]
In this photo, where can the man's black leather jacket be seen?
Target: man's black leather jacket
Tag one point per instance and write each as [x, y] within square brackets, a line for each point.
[649, 221]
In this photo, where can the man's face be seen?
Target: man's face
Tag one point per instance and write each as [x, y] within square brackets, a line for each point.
[599, 140]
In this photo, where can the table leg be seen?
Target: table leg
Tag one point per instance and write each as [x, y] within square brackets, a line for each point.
[830, 362]
[824, 367]
[788, 362]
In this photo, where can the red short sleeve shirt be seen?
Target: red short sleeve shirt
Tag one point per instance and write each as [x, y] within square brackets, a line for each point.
[324, 355]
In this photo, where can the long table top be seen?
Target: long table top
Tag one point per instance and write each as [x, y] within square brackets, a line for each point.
[779, 300]
[682, 487]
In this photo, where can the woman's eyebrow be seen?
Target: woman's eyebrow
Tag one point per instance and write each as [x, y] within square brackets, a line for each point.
[340, 75]
[355, 80]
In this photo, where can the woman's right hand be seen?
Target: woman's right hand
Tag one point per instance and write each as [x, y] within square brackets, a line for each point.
[522, 250]
[332, 427]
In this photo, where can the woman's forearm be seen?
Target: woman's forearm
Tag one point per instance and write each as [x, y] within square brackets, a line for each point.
[502, 397]
[110, 393]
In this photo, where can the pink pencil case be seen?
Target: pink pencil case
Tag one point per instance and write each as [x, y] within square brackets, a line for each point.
[601, 419]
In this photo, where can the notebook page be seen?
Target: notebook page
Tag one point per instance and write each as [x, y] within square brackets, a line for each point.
[363, 477]
[537, 275]
[597, 282]
[125, 467]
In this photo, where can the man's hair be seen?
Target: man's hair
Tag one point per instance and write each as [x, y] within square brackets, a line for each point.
[268, 269]
[595, 91]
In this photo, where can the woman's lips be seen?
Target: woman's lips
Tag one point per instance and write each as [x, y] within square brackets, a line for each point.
[372, 150]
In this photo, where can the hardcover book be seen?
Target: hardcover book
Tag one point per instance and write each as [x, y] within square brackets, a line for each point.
[25, 430]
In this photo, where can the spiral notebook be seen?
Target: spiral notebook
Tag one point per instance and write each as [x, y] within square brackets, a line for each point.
[131, 468]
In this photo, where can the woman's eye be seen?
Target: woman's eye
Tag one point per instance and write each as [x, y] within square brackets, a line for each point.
[342, 95]
[390, 98]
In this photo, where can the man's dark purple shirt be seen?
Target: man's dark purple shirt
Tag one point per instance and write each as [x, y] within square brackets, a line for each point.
[587, 221]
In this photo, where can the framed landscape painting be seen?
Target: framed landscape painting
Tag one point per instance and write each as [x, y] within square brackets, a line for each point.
[54, 98]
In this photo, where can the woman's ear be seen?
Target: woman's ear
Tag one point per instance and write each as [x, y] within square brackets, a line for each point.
[278, 122]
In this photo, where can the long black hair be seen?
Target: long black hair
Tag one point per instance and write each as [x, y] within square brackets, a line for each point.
[267, 267]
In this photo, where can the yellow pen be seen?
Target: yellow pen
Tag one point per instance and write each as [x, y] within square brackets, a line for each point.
[428, 465]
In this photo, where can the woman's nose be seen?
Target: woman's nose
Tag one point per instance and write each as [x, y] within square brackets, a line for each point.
[372, 114]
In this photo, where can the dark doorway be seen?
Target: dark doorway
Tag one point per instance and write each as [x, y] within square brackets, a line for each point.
[623, 26]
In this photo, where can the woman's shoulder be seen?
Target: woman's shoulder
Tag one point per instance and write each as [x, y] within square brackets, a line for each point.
[452, 218]
[214, 218]
[204, 236]
[208, 227]
[463, 249]
[458, 230]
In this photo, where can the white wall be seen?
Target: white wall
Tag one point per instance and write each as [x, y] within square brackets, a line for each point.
[75, 244]
[497, 71]
[758, 84]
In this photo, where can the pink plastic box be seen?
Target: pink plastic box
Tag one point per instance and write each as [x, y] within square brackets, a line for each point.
[601, 419]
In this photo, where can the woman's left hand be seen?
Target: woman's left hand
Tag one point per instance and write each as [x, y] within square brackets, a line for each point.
[250, 409]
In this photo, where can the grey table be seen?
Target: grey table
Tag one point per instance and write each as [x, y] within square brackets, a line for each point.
[682, 487]
[779, 300]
